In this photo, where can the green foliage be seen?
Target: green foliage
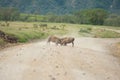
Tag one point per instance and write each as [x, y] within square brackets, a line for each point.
[8, 14]
[112, 20]
[32, 17]
[60, 6]
[91, 16]
[61, 18]
[97, 16]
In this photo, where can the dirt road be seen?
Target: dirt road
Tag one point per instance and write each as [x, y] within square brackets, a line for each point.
[89, 59]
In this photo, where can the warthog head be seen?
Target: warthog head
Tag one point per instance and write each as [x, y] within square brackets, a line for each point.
[54, 39]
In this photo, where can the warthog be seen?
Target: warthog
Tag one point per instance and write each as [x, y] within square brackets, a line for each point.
[66, 40]
[54, 39]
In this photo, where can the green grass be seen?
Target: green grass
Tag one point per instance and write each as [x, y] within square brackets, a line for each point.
[99, 31]
[25, 31]
[26, 35]
[107, 34]
[32, 17]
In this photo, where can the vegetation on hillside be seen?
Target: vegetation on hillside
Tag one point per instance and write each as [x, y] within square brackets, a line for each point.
[60, 6]
[9, 14]
[90, 16]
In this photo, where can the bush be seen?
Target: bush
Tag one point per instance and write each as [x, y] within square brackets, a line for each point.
[9, 14]
[85, 30]
[91, 16]
[113, 20]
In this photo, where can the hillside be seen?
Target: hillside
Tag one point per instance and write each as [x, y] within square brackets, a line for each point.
[60, 6]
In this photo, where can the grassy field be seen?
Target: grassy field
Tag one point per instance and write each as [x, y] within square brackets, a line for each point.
[26, 31]
[98, 31]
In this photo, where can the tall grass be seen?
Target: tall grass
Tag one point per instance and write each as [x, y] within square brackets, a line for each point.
[25, 31]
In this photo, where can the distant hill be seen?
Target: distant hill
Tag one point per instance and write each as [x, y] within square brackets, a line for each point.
[60, 6]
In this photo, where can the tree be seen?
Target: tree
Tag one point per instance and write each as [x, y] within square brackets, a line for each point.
[97, 16]
[9, 14]
[91, 16]
[113, 20]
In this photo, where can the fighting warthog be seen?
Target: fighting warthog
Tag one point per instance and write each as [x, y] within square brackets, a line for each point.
[66, 40]
[54, 39]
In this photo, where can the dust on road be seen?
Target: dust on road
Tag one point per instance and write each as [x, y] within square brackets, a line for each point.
[89, 59]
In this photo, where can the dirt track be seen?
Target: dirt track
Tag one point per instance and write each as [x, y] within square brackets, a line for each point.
[89, 59]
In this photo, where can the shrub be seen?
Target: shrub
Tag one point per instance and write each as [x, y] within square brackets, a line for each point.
[112, 21]
[85, 30]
